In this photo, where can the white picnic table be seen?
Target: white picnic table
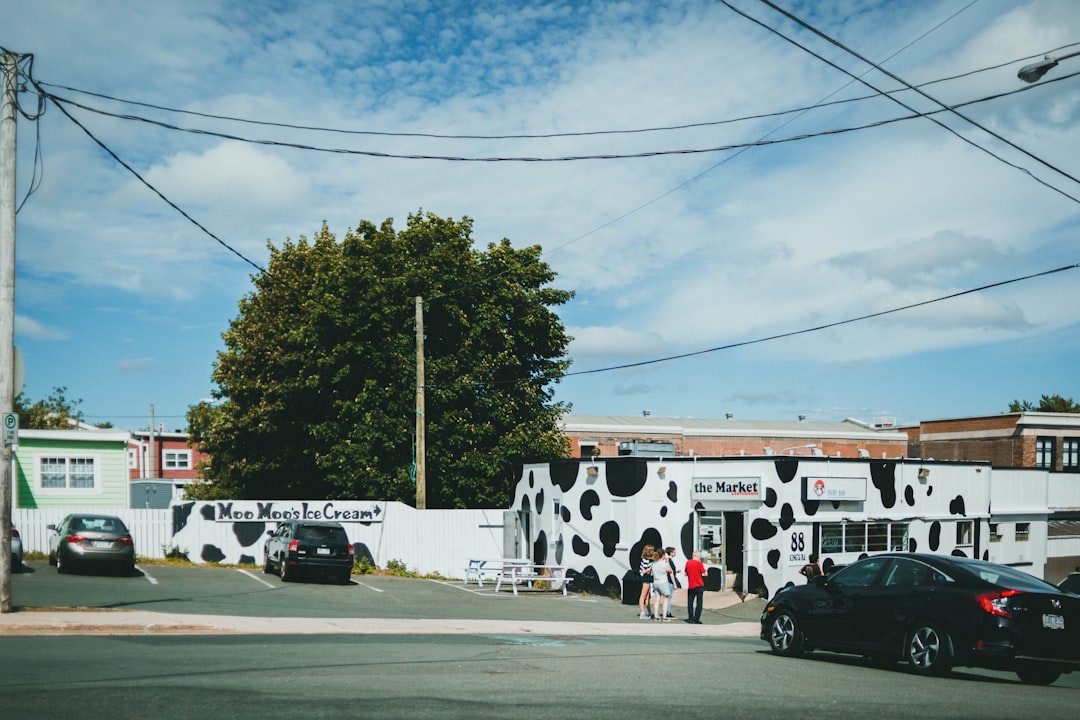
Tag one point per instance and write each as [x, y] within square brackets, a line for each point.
[529, 574]
[491, 568]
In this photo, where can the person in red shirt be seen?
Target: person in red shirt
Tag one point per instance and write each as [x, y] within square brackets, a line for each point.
[695, 588]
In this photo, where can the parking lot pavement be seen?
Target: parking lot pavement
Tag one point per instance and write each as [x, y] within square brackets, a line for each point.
[208, 600]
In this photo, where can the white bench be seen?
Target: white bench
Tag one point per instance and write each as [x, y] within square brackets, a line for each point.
[516, 574]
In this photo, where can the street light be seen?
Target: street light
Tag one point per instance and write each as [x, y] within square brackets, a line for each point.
[1034, 72]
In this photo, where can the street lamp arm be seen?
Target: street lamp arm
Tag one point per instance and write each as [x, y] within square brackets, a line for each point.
[1034, 72]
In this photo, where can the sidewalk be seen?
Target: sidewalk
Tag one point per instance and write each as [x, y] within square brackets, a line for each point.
[739, 620]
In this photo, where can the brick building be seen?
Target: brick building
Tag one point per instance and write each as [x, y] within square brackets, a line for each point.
[609, 435]
[1048, 441]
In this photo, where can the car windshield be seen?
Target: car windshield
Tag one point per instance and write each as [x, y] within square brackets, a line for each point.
[316, 533]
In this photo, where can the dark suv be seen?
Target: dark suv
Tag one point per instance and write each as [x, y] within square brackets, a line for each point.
[313, 546]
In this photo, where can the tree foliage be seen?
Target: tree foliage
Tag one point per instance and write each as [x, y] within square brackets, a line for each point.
[316, 387]
[1048, 403]
[55, 412]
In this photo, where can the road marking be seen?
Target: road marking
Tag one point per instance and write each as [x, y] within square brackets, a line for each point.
[255, 577]
[369, 587]
[150, 578]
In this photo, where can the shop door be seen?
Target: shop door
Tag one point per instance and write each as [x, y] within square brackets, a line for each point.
[735, 547]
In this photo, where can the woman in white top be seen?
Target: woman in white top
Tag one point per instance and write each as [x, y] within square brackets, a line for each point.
[662, 583]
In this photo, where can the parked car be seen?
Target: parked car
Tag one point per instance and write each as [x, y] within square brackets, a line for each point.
[1071, 583]
[89, 539]
[932, 612]
[309, 547]
[16, 549]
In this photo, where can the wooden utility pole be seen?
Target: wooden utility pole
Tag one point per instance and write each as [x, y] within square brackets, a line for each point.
[8, 74]
[421, 451]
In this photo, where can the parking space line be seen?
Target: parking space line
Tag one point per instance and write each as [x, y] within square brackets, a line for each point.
[255, 577]
[150, 578]
[369, 587]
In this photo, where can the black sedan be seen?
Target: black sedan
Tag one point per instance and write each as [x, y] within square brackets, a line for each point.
[933, 612]
[90, 539]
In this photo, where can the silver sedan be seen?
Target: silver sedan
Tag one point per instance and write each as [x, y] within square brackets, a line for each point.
[87, 539]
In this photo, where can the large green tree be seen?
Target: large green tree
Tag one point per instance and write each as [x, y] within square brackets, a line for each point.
[316, 386]
[1048, 403]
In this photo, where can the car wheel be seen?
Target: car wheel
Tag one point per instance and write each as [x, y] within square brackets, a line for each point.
[785, 635]
[1035, 674]
[52, 559]
[286, 576]
[927, 650]
[267, 567]
[61, 566]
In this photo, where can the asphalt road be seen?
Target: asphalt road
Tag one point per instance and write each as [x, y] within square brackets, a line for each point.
[575, 656]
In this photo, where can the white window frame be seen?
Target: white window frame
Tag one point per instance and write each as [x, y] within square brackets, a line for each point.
[965, 533]
[70, 460]
[181, 460]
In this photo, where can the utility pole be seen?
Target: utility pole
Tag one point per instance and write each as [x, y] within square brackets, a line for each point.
[421, 441]
[9, 73]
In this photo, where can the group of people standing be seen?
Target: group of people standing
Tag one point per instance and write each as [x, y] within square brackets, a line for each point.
[660, 578]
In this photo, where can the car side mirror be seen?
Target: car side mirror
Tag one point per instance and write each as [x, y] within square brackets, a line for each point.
[50, 526]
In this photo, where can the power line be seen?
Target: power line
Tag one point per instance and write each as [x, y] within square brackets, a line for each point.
[928, 116]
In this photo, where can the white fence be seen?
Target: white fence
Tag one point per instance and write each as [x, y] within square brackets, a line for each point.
[425, 541]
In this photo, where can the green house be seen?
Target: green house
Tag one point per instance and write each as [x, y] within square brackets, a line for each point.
[71, 469]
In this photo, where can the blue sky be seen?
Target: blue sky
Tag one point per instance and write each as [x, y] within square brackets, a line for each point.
[123, 301]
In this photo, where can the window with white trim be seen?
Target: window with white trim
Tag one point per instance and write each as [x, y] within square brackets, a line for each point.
[851, 537]
[964, 533]
[176, 459]
[67, 473]
[1023, 531]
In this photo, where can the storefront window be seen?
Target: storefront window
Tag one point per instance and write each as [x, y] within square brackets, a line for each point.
[855, 537]
[877, 537]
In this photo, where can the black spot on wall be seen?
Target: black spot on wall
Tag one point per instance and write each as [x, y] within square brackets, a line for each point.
[587, 581]
[589, 500]
[762, 529]
[626, 476]
[787, 516]
[207, 511]
[770, 497]
[827, 565]
[786, 469]
[540, 548]
[248, 533]
[929, 490]
[663, 511]
[525, 504]
[986, 555]
[957, 552]
[714, 580]
[565, 512]
[686, 537]
[609, 537]
[774, 559]
[180, 515]
[211, 554]
[935, 536]
[956, 507]
[532, 480]
[912, 545]
[673, 492]
[909, 496]
[810, 507]
[580, 546]
[540, 502]
[755, 582]
[564, 473]
[883, 475]
[247, 560]
[363, 553]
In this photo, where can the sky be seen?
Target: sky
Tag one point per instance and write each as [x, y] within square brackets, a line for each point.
[744, 199]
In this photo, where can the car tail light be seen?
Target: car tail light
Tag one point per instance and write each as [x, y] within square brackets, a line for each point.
[14, 533]
[293, 546]
[126, 540]
[996, 603]
[74, 539]
[352, 551]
